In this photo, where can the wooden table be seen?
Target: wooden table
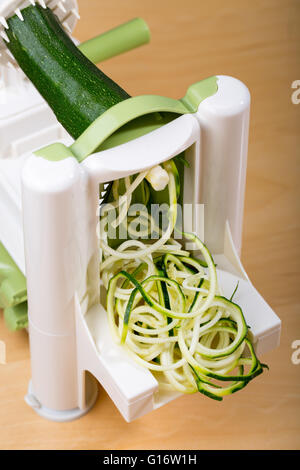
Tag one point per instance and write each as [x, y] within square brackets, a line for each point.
[259, 43]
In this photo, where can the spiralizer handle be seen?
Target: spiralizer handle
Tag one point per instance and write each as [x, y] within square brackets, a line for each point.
[121, 39]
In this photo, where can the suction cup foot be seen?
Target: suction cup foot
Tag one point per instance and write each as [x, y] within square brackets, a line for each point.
[59, 416]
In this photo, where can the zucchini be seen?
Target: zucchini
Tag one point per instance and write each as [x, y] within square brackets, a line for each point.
[76, 90]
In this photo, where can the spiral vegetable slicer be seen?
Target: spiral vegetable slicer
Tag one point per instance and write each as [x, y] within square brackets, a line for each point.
[49, 250]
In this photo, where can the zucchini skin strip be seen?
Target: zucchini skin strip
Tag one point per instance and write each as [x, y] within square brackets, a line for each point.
[147, 298]
[234, 345]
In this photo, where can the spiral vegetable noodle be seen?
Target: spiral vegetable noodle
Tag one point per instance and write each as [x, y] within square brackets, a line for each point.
[165, 307]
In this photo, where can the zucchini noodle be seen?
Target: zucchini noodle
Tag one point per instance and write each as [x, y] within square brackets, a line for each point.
[166, 309]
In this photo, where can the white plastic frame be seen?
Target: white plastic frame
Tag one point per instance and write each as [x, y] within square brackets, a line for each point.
[68, 328]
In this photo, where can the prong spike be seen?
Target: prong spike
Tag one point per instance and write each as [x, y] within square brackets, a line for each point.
[75, 13]
[4, 36]
[42, 3]
[61, 7]
[19, 14]
[10, 55]
[3, 22]
[65, 25]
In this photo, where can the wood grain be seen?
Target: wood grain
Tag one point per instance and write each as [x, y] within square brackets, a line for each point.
[259, 43]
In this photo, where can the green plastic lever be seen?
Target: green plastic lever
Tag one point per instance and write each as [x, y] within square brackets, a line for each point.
[131, 119]
[16, 318]
[116, 41]
[12, 281]
[137, 116]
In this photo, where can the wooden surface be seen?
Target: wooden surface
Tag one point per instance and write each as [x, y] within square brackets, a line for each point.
[259, 43]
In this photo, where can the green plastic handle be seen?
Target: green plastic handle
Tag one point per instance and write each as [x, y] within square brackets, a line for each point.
[16, 318]
[121, 39]
[12, 281]
[137, 116]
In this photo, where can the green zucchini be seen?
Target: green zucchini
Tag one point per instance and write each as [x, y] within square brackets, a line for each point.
[76, 90]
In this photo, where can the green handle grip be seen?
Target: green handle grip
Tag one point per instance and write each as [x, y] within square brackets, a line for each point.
[121, 39]
[12, 281]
